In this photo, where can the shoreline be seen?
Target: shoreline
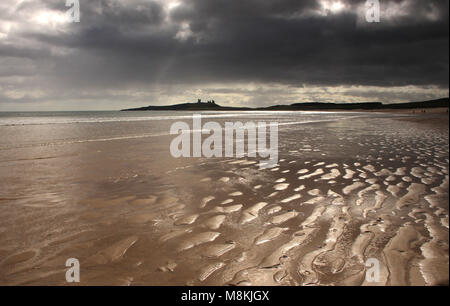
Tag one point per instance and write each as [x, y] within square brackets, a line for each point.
[415, 111]
[381, 110]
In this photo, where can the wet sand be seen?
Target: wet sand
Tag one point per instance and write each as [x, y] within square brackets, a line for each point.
[344, 191]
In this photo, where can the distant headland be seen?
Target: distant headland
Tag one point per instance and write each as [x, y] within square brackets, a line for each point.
[306, 106]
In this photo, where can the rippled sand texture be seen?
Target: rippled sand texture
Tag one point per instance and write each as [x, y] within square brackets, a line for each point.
[343, 192]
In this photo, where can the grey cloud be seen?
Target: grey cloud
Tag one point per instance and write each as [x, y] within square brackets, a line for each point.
[121, 44]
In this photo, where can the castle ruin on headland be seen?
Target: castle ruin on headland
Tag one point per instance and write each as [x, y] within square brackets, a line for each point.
[199, 101]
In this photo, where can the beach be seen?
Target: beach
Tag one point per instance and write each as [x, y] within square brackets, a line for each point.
[103, 188]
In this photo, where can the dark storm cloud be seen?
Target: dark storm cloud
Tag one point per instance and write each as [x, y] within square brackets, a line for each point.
[288, 42]
[266, 42]
[261, 41]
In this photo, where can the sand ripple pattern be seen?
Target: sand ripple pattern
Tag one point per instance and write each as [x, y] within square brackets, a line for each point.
[315, 219]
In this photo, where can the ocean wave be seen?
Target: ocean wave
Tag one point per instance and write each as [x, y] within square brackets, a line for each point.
[21, 120]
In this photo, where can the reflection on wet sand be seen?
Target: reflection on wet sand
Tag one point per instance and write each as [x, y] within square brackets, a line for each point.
[343, 192]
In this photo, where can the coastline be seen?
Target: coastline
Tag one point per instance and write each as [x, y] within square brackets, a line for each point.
[423, 106]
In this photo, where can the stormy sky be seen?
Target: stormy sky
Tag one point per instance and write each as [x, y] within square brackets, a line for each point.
[129, 53]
